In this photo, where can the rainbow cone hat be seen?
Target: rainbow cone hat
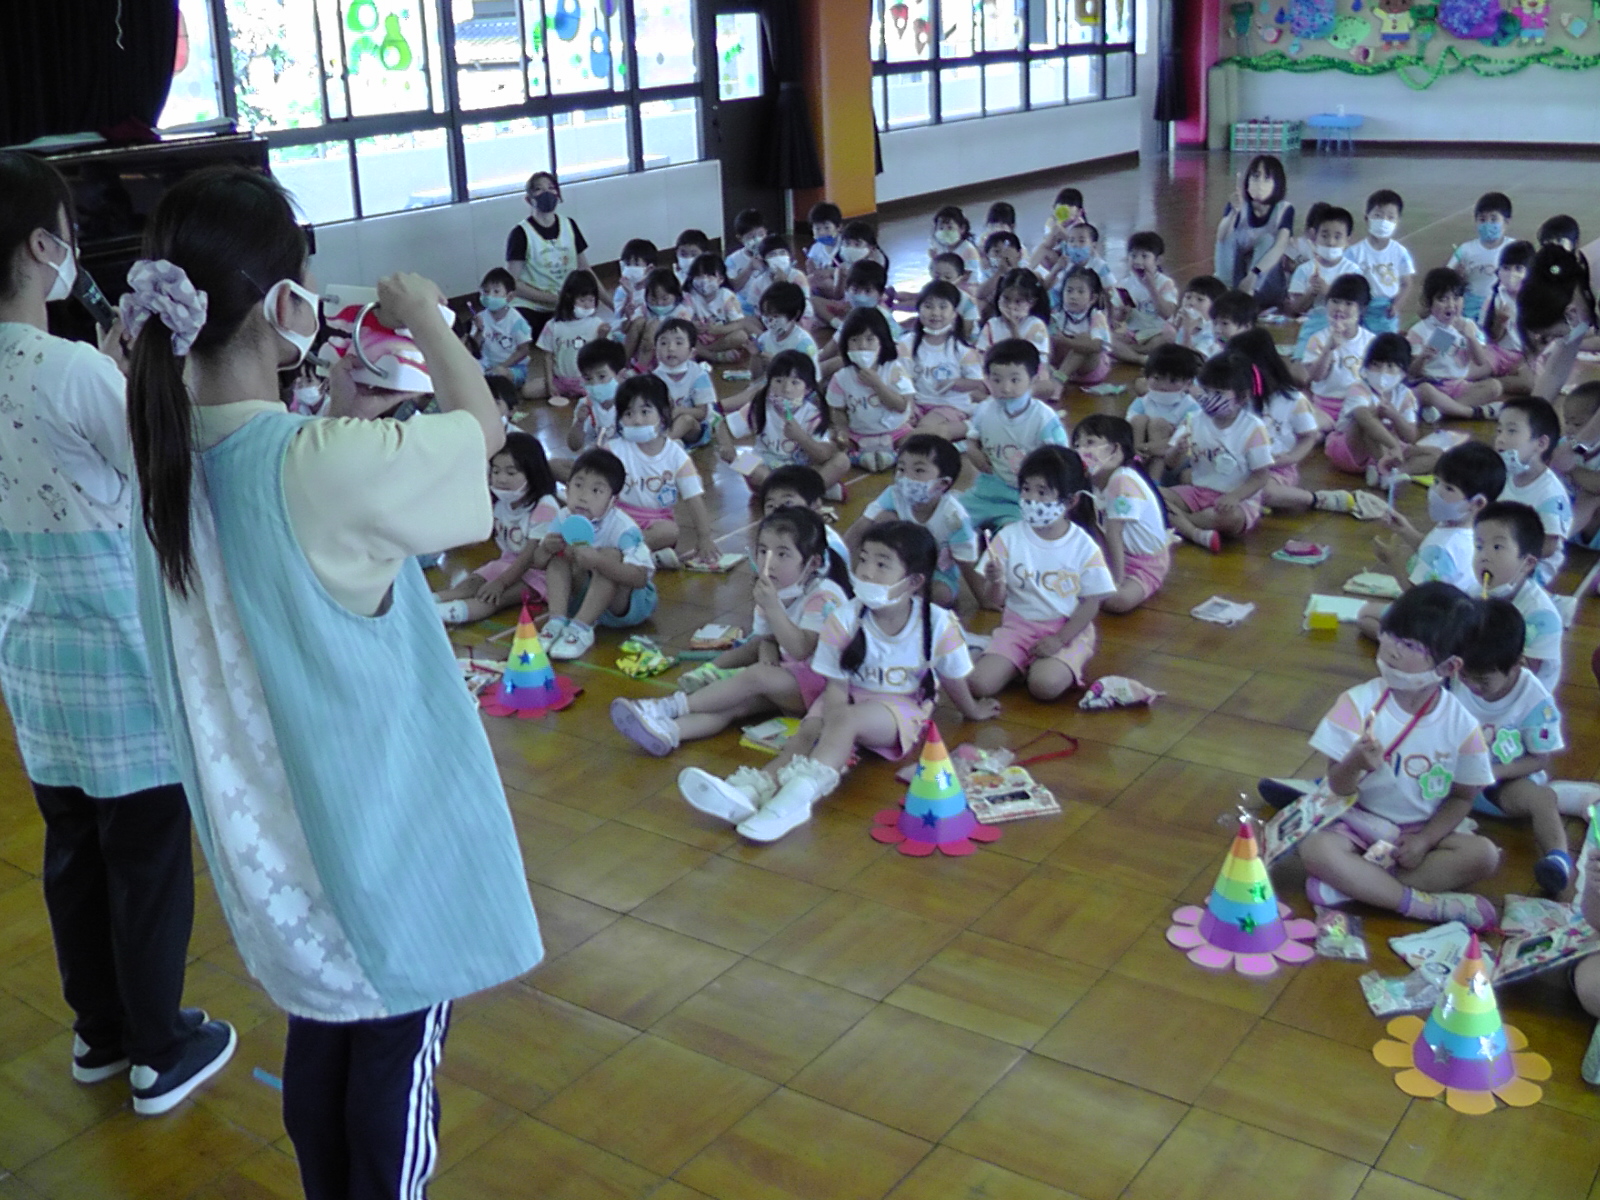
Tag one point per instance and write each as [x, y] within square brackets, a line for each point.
[935, 815]
[530, 687]
[1242, 924]
[1464, 1050]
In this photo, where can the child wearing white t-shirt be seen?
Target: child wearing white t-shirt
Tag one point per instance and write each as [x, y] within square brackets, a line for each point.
[1507, 537]
[925, 471]
[660, 474]
[1229, 454]
[502, 331]
[1128, 508]
[1376, 433]
[575, 323]
[946, 373]
[690, 389]
[1331, 362]
[1049, 574]
[872, 394]
[788, 424]
[1147, 298]
[1004, 430]
[880, 655]
[1309, 285]
[715, 311]
[1451, 367]
[1526, 434]
[1478, 260]
[1165, 400]
[1414, 758]
[1388, 265]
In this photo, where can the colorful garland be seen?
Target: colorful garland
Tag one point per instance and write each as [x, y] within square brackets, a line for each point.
[1408, 67]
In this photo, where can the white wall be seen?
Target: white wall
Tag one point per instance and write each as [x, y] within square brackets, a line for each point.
[1537, 104]
[454, 244]
[932, 158]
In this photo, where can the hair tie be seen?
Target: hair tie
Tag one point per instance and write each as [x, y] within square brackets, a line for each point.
[1255, 374]
[162, 289]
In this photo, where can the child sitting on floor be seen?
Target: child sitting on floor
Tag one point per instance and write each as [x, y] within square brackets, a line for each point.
[1229, 455]
[1166, 401]
[715, 312]
[1507, 354]
[1452, 367]
[1004, 430]
[800, 487]
[1331, 363]
[925, 471]
[872, 395]
[1414, 757]
[787, 423]
[690, 389]
[601, 364]
[1376, 434]
[945, 371]
[1506, 539]
[502, 332]
[1525, 437]
[1291, 427]
[659, 473]
[1128, 508]
[1148, 299]
[1080, 334]
[575, 323]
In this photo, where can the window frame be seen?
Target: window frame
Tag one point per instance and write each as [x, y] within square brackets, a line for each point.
[936, 63]
[453, 119]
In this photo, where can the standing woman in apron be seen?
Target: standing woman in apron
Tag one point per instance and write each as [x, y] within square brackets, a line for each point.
[542, 251]
[1255, 231]
[341, 783]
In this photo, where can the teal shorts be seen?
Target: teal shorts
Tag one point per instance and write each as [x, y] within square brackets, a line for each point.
[991, 504]
[641, 605]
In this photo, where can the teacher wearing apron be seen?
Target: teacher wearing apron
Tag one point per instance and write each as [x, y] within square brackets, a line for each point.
[543, 250]
[340, 780]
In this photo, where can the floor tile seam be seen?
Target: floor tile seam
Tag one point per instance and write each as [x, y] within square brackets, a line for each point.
[810, 908]
[567, 952]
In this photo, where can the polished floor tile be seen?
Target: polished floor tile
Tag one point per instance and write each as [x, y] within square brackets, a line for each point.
[1209, 1155]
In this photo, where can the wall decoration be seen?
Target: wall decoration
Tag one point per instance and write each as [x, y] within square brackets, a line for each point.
[1419, 41]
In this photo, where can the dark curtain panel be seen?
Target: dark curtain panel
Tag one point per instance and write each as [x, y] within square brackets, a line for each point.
[792, 158]
[1169, 85]
[62, 69]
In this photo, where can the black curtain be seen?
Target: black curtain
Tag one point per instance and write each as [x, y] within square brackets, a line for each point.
[792, 160]
[1169, 80]
[84, 66]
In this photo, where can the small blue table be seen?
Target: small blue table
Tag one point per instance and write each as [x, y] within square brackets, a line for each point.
[1334, 132]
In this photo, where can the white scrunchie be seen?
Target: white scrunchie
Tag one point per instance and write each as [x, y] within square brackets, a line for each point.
[162, 289]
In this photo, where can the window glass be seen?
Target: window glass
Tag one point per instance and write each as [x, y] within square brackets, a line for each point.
[960, 93]
[907, 30]
[579, 39]
[1047, 82]
[274, 51]
[194, 95]
[1083, 20]
[488, 54]
[1119, 75]
[907, 100]
[385, 55]
[670, 131]
[1004, 24]
[663, 41]
[1083, 78]
[1045, 19]
[1002, 87]
[318, 178]
[500, 155]
[591, 142]
[1119, 20]
[956, 35]
[738, 56]
[402, 171]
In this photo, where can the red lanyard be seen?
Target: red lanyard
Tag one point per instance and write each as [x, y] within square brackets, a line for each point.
[1411, 724]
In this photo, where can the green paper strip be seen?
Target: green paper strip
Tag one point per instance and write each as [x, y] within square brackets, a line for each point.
[1413, 70]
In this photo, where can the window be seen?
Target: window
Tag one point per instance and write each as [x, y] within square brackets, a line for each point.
[377, 106]
[950, 60]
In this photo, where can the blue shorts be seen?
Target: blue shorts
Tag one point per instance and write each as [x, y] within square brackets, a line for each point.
[991, 503]
[519, 373]
[699, 438]
[951, 578]
[641, 605]
[1377, 317]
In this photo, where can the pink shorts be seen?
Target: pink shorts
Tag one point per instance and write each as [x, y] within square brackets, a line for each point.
[945, 411]
[1094, 374]
[1197, 499]
[1149, 571]
[811, 684]
[533, 579]
[646, 517]
[1343, 455]
[1288, 474]
[1362, 828]
[1505, 361]
[564, 386]
[910, 718]
[879, 441]
[1451, 387]
[1328, 406]
[1017, 636]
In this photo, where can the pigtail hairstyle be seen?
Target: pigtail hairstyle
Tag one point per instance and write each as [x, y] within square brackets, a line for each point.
[1233, 372]
[1116, 431]
[234, 233]
[784, 363]
[576, 285]
[1061, 470]
[918, 552]
[938, 289]
[1557, 279]
[1271, 375]
[867, 320]
[528, 453]
[810, 536]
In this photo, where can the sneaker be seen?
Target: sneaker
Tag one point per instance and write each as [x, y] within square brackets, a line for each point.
[1474, 912]
[575, 641]
[667, 559]
[208, 1051]
[452, 612]
[1430, 414]
[551, 633]
[1553, 872]
[96, 1066]
[1491, 410]
[1335, 501]
[714, 797]
[644, 724]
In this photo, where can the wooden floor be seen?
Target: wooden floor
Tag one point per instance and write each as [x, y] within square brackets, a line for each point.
[823, 1018]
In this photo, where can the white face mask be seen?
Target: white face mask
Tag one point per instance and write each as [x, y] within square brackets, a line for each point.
[1330, 254]
[1513, 461]
[706, 285]
[1446, 511]
[777, 326]
[779, 264]
[1094, 457]
[1383, 382]
[506, 494]
[308, 397]
[583, 312]
[1381, 227]
[935, 328]
[947, 237]
[1039, 513]
[914, 491]
[66, 272]
[1503, 591]
[853, 254]
[633, 272]
[865, 359]
[640, 433]
[300, 341]
[873, 595]
[1406, 681]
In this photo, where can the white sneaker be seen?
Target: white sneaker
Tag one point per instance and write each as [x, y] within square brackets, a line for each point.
[715, 797]
[575, 641]
[667, 559]
[644, 724]
[1372, 475]
[452, 612]
[1430, 414]
[804, 781]
[551, 633]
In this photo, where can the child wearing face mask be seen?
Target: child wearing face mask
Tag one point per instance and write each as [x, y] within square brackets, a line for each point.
[925, 471]
[691, 244]
[1147, 299]
[865, 286]
[601, 365]
[777, 266]
[945, 371]
[1134, 533]
[1002, 218]
[879, 654]
[1479, 259]
[1002, 254]
[1330, 363]
[1388, 266]
[952, 234]
[1376, 433]
[1023, 311]
[948, 268]
[783, 308]
[749, 231]
[1291, 428]
[787, 423]
[872, 394]
[501, 331]
[1308, 286]
[637, 260]
[1050, 577]
[1414, 758]
[1522, 729]
[1080, 249]
[1508, 356]
[714, 309]
[1067, 215]
[659, 476]
[1229, 452]
[1507, 538]
[864, 276]
[1166, 400]
[1080, 334]
[525, 507]
[1465, 479]
[823, 264]
[1526, 433]
[307, 393]
[575, 323]
[663, 302]
[690, 391]
[800, 583]
[1004, 430]
[1451, 367]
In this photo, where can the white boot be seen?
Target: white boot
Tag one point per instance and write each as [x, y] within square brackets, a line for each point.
[802, 782]
[733, 799]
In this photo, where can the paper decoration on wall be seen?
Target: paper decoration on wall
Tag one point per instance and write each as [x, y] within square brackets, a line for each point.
[1087, 11]
[1464, 1051]
[1418, 40]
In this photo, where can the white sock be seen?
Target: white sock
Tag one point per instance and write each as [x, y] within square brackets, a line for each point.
[452, 612]
[676, 705]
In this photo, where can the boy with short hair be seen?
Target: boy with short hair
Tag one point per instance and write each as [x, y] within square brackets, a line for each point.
[1387, 264]
[1146, 296]
[1522, 729]
[822, 257]
[691, 244]
[1507, 537]
[610, 580]
[689, 383]
[503, 333]
[925, 470]
[783, 307]
[1004, 430]
[801, 487]
[637, 260]
[1232, 313]
[1526, 433]
[1452, 367]
[1414, 758]
[1160, 408]
[750, 230]
[1479, 260]
[1192, 324]
[601, 365]
[1308, 286]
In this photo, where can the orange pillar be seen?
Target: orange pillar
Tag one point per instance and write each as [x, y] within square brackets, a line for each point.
[838, 81]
